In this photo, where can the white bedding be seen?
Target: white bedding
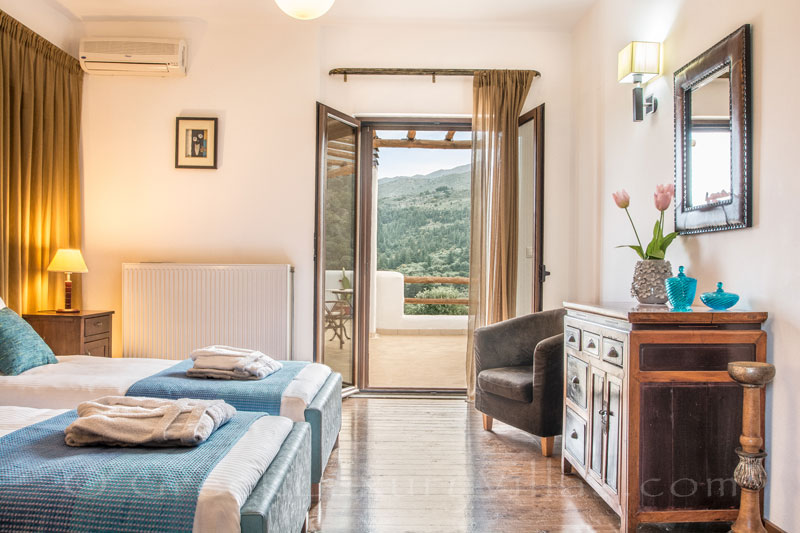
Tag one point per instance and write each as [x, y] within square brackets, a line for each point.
[227, 486]
[79, 378]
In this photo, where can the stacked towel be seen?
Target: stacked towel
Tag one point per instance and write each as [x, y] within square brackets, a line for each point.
[134, 421]
[227, 362]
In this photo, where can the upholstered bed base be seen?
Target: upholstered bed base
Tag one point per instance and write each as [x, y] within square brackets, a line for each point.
[325, 416]
[280, 500]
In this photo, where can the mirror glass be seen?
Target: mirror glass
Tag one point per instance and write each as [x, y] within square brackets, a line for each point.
[709, 154]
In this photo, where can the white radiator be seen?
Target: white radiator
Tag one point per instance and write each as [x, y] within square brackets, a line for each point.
[170, 309]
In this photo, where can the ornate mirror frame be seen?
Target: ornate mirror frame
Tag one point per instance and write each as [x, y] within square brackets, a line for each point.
[733, 52]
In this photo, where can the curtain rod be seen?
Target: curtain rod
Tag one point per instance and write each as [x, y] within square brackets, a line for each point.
[432, 72]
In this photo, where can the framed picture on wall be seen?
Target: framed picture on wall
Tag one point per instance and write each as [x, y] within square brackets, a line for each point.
[195, 142]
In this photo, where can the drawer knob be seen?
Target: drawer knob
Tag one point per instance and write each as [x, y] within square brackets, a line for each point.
[574, 434]
[591, 344]
[613, 353]
[576, 380]
[571, 338]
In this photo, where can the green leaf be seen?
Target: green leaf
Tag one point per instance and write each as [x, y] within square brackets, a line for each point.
[635, 247]
[657, 230]
[667, 241]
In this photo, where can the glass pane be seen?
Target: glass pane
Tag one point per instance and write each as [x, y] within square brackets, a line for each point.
[339, 215]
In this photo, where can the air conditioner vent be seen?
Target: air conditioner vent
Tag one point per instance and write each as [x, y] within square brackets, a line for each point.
[141, 48]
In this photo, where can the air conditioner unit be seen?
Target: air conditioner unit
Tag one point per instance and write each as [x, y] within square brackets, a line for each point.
[123, 56]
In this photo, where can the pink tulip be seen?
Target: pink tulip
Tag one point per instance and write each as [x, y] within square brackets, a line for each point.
[622, 198]
[663, 196]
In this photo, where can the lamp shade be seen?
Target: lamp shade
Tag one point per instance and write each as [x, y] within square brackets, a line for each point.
[639, 59]
[305, 9]
[68, 260]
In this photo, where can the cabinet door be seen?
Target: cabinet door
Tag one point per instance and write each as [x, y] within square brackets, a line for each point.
[598, 422]
[613, 425]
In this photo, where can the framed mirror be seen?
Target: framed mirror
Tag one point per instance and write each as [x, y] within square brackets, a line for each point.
[713, 168]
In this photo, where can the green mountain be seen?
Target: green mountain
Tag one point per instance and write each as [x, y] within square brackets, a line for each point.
[423, 226]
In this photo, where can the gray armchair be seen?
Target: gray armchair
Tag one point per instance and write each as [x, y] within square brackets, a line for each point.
[520, 368]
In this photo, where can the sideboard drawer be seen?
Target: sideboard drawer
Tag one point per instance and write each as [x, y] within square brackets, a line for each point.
[575, 436]
[613, 351]
[591, 343]
[96, 325]
[577, 374]
[572, 337]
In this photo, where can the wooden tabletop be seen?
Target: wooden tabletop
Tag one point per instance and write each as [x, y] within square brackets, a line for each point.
[81, 313]
[662, 314]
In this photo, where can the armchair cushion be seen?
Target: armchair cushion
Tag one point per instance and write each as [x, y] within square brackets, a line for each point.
[512, 382]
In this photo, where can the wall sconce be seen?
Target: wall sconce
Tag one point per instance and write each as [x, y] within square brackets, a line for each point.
[638, 63]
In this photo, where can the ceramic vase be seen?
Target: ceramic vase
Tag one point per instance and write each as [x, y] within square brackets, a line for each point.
[649, 277]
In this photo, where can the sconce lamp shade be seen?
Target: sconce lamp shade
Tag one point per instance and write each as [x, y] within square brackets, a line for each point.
[639, 62]
[305, 9]
[68, 260]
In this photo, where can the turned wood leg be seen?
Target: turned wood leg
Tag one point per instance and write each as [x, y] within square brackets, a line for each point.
[316, 490]
[547, 446]
[487, 422]
[304, 529]
[750, 474]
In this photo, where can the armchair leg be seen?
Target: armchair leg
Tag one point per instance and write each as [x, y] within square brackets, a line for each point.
[547, 446]
[487, 422]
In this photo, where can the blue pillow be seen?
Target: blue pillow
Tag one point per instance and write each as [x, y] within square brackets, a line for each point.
[20, 347]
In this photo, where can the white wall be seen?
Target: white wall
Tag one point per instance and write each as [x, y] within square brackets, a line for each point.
[612, 153]
[46, 18]
[465, 46]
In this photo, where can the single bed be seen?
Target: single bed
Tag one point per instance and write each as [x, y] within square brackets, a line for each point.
[260, 484]
[80, 378]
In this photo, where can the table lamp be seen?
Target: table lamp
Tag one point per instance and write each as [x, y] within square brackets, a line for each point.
[68, 260]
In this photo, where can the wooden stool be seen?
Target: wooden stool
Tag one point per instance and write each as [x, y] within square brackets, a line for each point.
[750, 474]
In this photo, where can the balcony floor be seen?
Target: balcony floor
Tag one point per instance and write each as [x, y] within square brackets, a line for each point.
[417, 361]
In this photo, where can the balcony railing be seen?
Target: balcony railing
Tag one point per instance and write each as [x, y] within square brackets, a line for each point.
[437, 279]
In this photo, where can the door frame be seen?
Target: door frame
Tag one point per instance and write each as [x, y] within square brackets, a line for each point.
[368, 126]
[323, 111]
[539, 271]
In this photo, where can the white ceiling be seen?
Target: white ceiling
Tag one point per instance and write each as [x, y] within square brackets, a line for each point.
[546, 14]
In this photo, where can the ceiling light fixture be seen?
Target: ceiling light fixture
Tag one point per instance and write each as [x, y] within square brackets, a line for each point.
[305, 9]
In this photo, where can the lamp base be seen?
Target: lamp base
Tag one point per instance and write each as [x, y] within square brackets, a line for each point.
[68, 310]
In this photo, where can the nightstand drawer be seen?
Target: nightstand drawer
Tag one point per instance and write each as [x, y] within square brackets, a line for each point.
[96, 325]
[98, 348]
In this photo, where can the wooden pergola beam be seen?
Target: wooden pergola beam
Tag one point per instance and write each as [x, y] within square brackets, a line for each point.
[340, 171]
[341, 153]
[422, 143]
[412, 134]
[449, 135]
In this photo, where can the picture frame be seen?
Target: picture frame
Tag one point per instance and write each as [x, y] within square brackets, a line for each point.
[196, 142]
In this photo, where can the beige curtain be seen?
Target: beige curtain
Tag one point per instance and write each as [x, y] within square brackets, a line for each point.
[497, 100]
[40, 115]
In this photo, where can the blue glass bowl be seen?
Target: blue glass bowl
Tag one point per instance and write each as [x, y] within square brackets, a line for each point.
[681, 290]
[719, 300]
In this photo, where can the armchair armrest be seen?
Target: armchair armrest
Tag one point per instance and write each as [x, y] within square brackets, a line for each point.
[548, 384]
[512, 342]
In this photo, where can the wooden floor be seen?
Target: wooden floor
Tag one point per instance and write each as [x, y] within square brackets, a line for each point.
[425, 465]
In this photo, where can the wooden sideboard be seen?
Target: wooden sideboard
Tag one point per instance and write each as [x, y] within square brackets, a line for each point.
[651, 416]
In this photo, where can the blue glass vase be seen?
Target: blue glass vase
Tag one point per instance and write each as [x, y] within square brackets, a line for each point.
[681, 290]
[719, 300]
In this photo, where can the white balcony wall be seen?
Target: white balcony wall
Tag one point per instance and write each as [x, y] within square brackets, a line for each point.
[389, 310]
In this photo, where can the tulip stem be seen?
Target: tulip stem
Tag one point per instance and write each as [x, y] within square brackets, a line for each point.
[637, 233]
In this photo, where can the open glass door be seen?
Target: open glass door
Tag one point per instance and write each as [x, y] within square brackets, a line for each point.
[336, 260]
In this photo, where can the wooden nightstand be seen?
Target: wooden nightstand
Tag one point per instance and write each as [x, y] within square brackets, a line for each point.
[83, 333]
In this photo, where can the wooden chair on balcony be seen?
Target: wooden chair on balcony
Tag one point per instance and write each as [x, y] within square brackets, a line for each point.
[520, 369]
[337, 314]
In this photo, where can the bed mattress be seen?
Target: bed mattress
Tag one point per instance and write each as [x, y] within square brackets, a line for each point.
[228, 485]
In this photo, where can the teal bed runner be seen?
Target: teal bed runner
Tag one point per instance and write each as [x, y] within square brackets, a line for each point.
[262, 395]
[46, 485]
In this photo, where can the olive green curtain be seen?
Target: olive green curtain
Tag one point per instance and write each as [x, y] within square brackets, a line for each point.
[40, 211]
[497, 100]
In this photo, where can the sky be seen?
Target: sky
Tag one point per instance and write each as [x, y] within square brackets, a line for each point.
[411, 161]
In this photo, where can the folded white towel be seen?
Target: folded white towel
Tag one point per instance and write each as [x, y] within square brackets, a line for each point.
[226, 362]
[301, 391]
[134, 421]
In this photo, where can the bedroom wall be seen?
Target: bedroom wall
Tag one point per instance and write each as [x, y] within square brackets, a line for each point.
[262, 78]
[48, 19]
[612, 153]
